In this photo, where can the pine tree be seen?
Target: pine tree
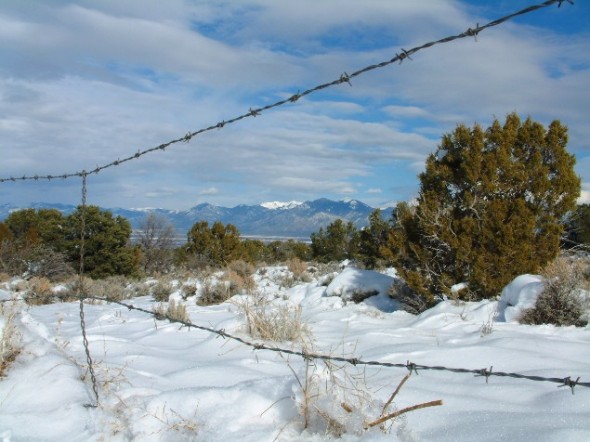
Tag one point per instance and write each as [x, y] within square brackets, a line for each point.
[490, 208]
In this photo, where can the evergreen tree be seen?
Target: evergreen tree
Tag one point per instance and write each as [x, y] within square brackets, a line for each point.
[34, 227]
[32, 241]
[578, 227]
[337, 242]
[106, 243]
[490, 208]
[216, 245]
[373, 241]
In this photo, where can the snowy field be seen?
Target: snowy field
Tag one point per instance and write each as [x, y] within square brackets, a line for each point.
[159, 381]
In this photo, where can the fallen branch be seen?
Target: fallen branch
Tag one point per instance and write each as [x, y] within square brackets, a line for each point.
[402, 411]
[399, 387]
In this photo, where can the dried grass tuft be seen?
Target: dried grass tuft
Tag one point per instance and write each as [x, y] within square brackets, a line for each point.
[10, 336]
[561, 302]
[271, 322]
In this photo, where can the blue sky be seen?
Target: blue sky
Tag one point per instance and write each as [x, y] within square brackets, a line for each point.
[84, 83]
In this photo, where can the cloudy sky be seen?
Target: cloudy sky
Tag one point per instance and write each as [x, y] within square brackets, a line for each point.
[83, 83]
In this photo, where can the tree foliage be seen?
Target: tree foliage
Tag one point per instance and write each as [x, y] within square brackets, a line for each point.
[283, 251]
[373, 241]
[216, 245]
[578, 227]
[45, 242]
[490, 207]
[31, 242]
[338, 241]
[107, 249]
[34, 227]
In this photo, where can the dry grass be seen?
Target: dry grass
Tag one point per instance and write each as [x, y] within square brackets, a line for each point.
[239, 282]
[230, 284]
[174, 310]
[188, 289]
[162, 290]
[271, 322]
[184, 428]
[213, 294]
[10, 336]
[242, 268]
[40, 291]
[115, 288]
[560, 303]
[334, 401]
[299, 269]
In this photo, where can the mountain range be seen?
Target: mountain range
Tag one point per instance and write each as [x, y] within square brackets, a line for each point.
[267, 220]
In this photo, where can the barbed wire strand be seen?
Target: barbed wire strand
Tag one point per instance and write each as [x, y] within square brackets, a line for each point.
[485, 372]
[344, 78]
[567, 381]
[81, 292]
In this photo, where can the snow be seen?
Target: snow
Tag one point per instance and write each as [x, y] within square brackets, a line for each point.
[276, 205]
[518, 296]
[370, 286]
[158, 381]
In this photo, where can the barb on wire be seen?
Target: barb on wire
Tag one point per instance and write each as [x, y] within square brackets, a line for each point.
[344, 78]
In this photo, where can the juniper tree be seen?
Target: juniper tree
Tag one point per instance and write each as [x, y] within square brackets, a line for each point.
[216, 245]
[578, 227]
[373, 241]
[107, 249]
[490, 207]
[338, 241]
[32, 241]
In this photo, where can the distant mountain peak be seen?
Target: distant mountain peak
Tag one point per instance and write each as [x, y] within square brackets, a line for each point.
[291, 219]
[278, 205]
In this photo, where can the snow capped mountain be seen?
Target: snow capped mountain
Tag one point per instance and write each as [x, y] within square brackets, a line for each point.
[276, 205]
[292, 219]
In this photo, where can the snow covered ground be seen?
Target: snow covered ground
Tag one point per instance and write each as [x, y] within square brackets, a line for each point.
[158, 381]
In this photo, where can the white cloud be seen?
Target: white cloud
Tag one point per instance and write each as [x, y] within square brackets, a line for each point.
[209, 191]
[110, 78]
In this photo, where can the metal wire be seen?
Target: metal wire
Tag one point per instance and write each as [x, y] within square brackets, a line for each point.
[484, 372]
[80, 291]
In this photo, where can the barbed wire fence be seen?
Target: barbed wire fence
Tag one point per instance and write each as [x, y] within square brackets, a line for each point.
[403, 55]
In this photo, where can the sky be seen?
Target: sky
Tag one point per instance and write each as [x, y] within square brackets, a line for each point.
[85, 83]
